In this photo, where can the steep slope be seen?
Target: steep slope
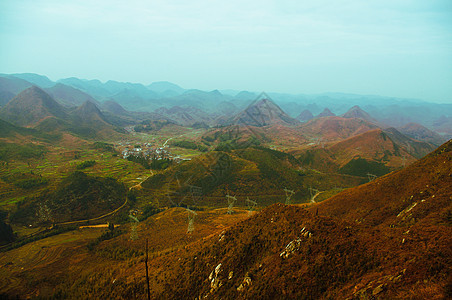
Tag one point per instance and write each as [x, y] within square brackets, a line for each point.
[263, 112]
[89, 121]
[375, 151]
[31, 106]
[290, 252]
[69, 95]
[305, 115]
[325, 113]
[419, 193]
[421, 133]
[416, 148]
[10, 86]
[334, 128]
[357, 112]
[114, 108]
[88, 112]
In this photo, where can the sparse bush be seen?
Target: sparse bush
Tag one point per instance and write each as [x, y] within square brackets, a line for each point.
[189, 145]
[10, 151]
[104, 146]
[86, 164]
[31, 183]
[361, 166]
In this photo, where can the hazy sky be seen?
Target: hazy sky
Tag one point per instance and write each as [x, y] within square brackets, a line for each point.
[397, 48]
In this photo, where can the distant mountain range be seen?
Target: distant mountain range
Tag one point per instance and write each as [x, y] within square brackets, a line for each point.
[35, 108]
[220, 108]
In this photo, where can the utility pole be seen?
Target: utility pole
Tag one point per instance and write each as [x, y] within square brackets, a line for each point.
[147, 273]
[231, 201]
[289, 194]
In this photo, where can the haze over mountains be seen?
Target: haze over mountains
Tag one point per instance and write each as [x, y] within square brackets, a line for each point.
[67, 106]
[216, 107]
[367, 199]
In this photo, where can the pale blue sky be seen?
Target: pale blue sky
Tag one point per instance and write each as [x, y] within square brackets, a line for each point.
[400, 48]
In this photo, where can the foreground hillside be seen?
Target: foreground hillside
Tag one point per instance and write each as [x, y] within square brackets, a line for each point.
[376, 242]
[388, 239]
[421, 193]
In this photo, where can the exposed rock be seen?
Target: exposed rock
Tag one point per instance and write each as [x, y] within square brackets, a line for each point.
[231, 274]
[291, 248]
[215, 282]
[378, 289]
[246, 282]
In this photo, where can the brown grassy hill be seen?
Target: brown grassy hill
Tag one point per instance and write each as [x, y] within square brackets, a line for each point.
[293, 253]
[372, 145]
[359, 113]
[31, 106]
[335, 128]
[421, 133]
[275, 136]
[420, 193]
[305, 115]
[263, 112]
[325, 113]
[390, 150]
[287, 252]
[416, 148]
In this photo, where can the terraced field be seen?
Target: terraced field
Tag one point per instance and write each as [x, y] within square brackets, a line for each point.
[45, 258]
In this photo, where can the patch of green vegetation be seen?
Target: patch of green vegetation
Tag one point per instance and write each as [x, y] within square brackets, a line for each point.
[10, 151]
[104, 147]
[234, 144]
[86, 164]
[189, 145]
[25, 180]
[119, 253]
[328, 194]
[361, 167]
[77, 197]
[6, 232]
[147, 125]
[107, 235]
[31, 183]
[153, 163]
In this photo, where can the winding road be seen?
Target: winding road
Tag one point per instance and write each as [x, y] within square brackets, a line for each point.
[313, 198]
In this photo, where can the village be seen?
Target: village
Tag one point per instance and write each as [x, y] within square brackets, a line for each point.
[148, 151]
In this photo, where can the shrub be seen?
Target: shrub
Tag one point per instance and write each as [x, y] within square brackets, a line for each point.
[86, 164]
